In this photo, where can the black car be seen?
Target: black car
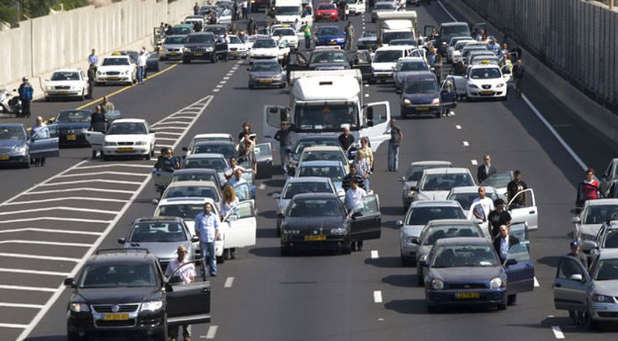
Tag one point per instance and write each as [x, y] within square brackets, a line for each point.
[199, 46]
[124, 292]
[319, 221]
[70, 125]
[328, 59]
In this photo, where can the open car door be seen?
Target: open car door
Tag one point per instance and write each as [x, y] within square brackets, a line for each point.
[519, 269]
[366, 219]
[95, 139]
[520, 230]
[47, 147]
[264, 158]
[448, 95]
[241, 225]
[570, 285]
[243, 191]
[377, 116]
[273, 115]
[188, 303]
[522, 207]
[477, 215]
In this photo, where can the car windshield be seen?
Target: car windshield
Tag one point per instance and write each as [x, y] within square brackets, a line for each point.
[12, 133]
[455, 30]
[266, 67]
[466, 199]
[414, 66]
[191, 192]
[335, 173]
[264, 44]
[328, 57]
[611, 240]
[369, 34]
[607, 270]
[454, 256]
[598, 214]
[326, 6]
[115, 61]
[326, 116]
[185, 211]
[73, 116]
[387, 56]
[384, 7]
[388, 36]
[216, 30]
[226, 149]
[485, 73]
[329, 31]
[498, 180]
[127, 128]
[234, 40]
[169, 232]
[200, 38]
[397, 42]
[435, 233]
[65, 76]
[414, 173]
[194, 177]
[287, 10]
[444, 182]
[174, 40]
[302, 144]
[180, 30]
[323, 155]
[124, 274]
[422, 215]
[315, 207]
[284, 32]
[294, 188]
[422, 86]
[218, 164]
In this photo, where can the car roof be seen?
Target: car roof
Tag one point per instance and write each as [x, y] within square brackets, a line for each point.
[156, 219]
[117, 56]
[462, 241]
[471, 189]
[205, 183]
[430, 163]
[435, 203]
[204, 33]
[315, 196]
[451, 170]
[454, 23]
[392, 48]
[129, 120]
[421, 75]
[322, 148]
[325, 136]
[321, 163]
[206, 156]
[121, 256]
[67, 70]
[185, 200]
[598, 202]
[209, 142]
[411, 59]
[212, 135]
[608, 253]
[306, 179]
[484, 66]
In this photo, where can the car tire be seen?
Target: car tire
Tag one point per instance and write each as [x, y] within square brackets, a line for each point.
[251, 86]
[347, 249]
[104, 157]
[502, 306]
[432, 309]
[47, 99]
[283, 85]
[511, 299]
[220, 259]
[186, 61]
[285, 251]
[162, 335]
[26, 164]
[589, 323]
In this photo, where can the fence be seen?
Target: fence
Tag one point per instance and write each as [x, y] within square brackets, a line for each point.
[577, 39]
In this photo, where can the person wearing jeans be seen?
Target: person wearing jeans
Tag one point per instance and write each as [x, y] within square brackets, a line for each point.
[393, 147]
[206, 227]
[141, 66]
[284, 137]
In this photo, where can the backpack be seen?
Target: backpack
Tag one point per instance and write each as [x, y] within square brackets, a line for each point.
[27, 92]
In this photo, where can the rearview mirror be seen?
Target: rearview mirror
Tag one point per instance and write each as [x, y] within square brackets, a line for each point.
[577, 277]
[122, 241]
[276, 195]
[69, 282]
[195, 239]
[576, 220]
[399, 223]
[589, 245]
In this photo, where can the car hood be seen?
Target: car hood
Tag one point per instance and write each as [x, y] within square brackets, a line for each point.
[71, 125]
[60, 83]
[330, 36]
[314, 223]
[432, 195]
[12, 143]
[163, 250]
[115, 296]
[121, 138]
[412, 230]
[195, 45]
[114, 68]
[401, 75]
[264, 74]
[607, 288]
[466, 274]
[286, 18]
[267, 51]
[590, 229]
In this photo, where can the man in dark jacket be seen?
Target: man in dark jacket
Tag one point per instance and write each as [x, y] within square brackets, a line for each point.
[25, 96]
[485, 170]
[498, 217]
[504, 242]
[92, 70]
[515, 186]
[518, 74]
[284, 136]
[346, 140]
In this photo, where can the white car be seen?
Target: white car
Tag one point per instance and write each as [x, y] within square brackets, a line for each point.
[486, 81]
[66, 83]
[357, 6]
[436, 183]
[384, 61]
[208, 160]
[172, 47]
[124, 137]
[325, 153]
[592, 216]
[453, 52]
[206, 137]
[116, 69]
[236, 48]
[287, 34]
[264, 48]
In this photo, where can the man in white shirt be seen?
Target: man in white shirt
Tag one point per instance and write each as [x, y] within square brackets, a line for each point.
[229, 172]
[236, 178]
[141, 66]
[487, 205]
[353, 195]
[187, 276]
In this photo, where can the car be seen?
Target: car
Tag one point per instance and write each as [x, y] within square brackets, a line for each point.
[328, 59]
[124, 137]
[206, 137]
[172, 47]
[196, 174]
[421, 95]
[448, 30]
[592, 292]
[466, 271]
[294, 186]
[413, 175]
[333, 170]
[384, 61]
[180, 29]
[217, 162]
[66, 83]
[486, 81]
[224, 15]
[286, 34]
[325, 153]
[499, 181]
[116, 69]
[612, 191]
[319, 221]
[368, 40]
[199, 46]
[162, 236]
[473, 48]
[465, 195]
[450, 50]
[266, 73]
[152, 61]
[608, 177]
[418, 215]
[70, 125]
[436, 183]
[124, 291]
[593, 215]
[304, 141]
[264, 48]
[357, 7]
[17, 148]
[438, 229]
[477, 58]
[236, 48]
[217, 29]
[226, 148]
[196, 20]
[193, 189]
[329, 35]
[326, 11]
[606, 238]
[454, 52]
[362, 61]
[386, 6]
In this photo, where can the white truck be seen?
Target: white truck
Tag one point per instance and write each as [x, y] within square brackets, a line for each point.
[395, 25]
[326, 101]
[288, 11]
[357, 7]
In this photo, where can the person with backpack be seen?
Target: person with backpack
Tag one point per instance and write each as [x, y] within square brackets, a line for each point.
[25, 96]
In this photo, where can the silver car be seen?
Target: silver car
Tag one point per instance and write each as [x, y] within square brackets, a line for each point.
[408, 66]
[592, 216]
[413, 175]
[172, 47]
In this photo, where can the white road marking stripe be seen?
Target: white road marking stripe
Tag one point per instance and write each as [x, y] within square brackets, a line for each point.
[166, 133]
[13, 325]
[222, 82]
[76, 209]
[20, 305]
[226, 78]
[170, 122]
[536, 282]
[446, 11]
[54, 219]
[25, 288]
[215, 90]
[474, 162]
[64, 199]
[36, 229]
[377, 296]
[374, 254]
[89, 181]
[212, 332]
[163, 145]
[366, 95]
[77, 189]
[108, 165]
[38, 242]
[35, 272]
[29, 256]
[558, 334]
[219, 86]
[466, 144]
[458, 127]
[228, 282]
[175, 128]
[104, 173]
[166, 138]
[183, 116]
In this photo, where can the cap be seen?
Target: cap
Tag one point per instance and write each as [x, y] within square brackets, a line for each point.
[574, 244]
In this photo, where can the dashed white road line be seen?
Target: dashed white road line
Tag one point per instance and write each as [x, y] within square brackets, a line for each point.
[458, 127]
[64, 199]
[38, 242]
[29, 256]
[374, 254]
[13, 325]
[474, 162]
[465, 143]
[34, 272]
[366, 95]
[212, 332]
[536, 283]
[215, 90]
[27, 288]
[558, 334]
[377, 296]
[228, 282]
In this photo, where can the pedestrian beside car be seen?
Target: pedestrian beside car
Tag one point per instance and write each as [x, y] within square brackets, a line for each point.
[186, 275]
[352, 176]
[39, 131]
[349, 35]
[485, 170]
[486, 205]
[504, 242]
[346, 140]
[518, 75]
[141, 66]
[92, 72]
[230, 201]
[353, 197]
[249, 9]
[166, 162]
[494, 46]
[107, 105]
[393, 146]
[307, 34]
[236, 178]
[576, 252]
[503, 51]
[207, 228]
[284, 136]
[26, 92]
[589, 189]
[229, 172]
[460, 68]
[98, 121]
[250, 24]
[515, 186]
[93, 58]
[367, 152]
[498, 217]
[245, 130]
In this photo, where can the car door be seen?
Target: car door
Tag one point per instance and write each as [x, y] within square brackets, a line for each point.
[263, 153]
[519, 268]
[46, 147]
[243, 191]
[528, 212]
[570, 293]
[520, 230]
[366, 219]
[377, 116]
[112, 115]
[477, 215]
[606, 179]
[241, 225]
[273, 115]
[95, 138]
[188, 303]
[448, 97]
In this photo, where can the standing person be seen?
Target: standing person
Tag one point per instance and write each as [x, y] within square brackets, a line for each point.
[236, 178]
[250, 24]
[362, 169]
[284, 136]
[92, 72]
[307, 34]
[230, 201]
[249, 9]
[235, 11]
[494, 46]
[575, 252]
[504, 242]
[39, 131]
[349, 36]
[367, 152]
[246, 130]
[498, 217]
[246, 153]
[97, 120]
[229, 172]
[107, 105]
[515, 186]
[485, 170]
[141, 66]
[92, 58]
[346, 140]
[186, 275]
[207, 228]
[518, 74]
[588, 189]
[486, 205]
[196, 9]
[393, 146]
[353, 197]
[352, 176]
[503, 51]
[25, 92]
[460, 68]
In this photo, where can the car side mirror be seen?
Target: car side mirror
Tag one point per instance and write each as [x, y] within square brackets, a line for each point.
[276, 195]
[155, 201]
[576, 220]
[69, 282]
[122, 241]
[185, 149]
[577, 277]
[399, 223]
[589, 245]
[195, 239]
[510, 262]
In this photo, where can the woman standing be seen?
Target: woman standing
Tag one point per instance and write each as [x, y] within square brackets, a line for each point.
[230, 201]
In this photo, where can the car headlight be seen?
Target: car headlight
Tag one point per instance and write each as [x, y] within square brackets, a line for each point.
[338, 231]
[110, 143]
[277, 77]
[500, 85]
[407, 101]
[19, 149]
[472, 86]
[411, 240]
[99, 73]
[209, 49]
[79, 307]
[186, 49]
[437, 284]
[495, 283]
[602, 298]
[140, 143]
[152, 306]
[436, 101]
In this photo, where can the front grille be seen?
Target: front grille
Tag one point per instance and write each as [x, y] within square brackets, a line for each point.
[113, 73]
[63, 87]
[112, 324]
[5, 150]
[608, 314]
[122, 308]
[263, 57]
[125, 143]
[467, 286]
[486, 86]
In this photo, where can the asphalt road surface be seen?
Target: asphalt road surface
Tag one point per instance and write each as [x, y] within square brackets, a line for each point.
[51, 218]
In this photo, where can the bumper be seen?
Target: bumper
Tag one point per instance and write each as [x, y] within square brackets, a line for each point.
[382, 75]
[114, 79]
[448, 297]
[63, 93]
[329, 43]
[13, 159]
[480, 93]
[122, 151]
[73, 139]
[254, 58]
[267, 82]
[604, 311]
[170, 55]
[142, 326]
[331, 243]
[237, 53]
[420, 110]
[327, 17]
[198, 55]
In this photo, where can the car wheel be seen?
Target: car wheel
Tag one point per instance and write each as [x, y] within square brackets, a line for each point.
[104, 157]
[589, 323]
[26, 164]
[347, 249]
[285, 251]
[94, 154]
[186, 61]
[47, 99]
[251, 85]
[152, 152]
[438, 115]
[502, 306]
[220, 259]
[162, 335]
[511, 299]
[283, 85]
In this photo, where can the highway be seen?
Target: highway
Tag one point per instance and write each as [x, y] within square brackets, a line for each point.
[53, 217]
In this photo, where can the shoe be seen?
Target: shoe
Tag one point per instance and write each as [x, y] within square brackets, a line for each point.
[213, 275]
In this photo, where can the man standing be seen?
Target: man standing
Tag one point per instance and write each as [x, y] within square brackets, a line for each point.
[485, 170]
[207, 228]
[352, 176]
[184, 272]
[349, 36]
[498, 217]
[518, 74]
[235, 11]
[236, 178]
[504, 242]
[393, 147]
[577, 254]
[284, 137]
[107, 105]
[39, 131]
[141, 66]
[307, 33]
[515, 186]
[346, 140]
[486, 205]
[196, 9]
[588, 189]
[244, 11]
[92, 58]
[92, 71]
[25, 96]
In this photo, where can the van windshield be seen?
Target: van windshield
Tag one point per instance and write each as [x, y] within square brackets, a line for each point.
[326, 117]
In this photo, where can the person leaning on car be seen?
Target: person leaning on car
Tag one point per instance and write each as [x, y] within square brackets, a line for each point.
[187, 275]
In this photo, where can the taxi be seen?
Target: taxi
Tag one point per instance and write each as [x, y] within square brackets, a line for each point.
[486, 80]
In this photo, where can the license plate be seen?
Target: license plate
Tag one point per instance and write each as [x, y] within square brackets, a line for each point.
[4, 157]
[315, 237]
[71, 137]
[332, 42]
[124, 149]
[487, 92]
[115, 317]
[63, 92]
[422, 108]
[113, 78]
[266, 81]
[467, 295]
[173, 53]
[198, 54]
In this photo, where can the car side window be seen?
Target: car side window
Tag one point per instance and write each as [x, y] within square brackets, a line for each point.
[568, 267]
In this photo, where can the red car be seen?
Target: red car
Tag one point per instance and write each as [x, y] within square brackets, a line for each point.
[326, 11]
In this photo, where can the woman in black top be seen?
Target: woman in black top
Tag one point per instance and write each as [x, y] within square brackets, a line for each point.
[97, 120]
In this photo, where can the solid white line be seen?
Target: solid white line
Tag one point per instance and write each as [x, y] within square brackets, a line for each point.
[13, 325]
[458, 127]
[446, 11]
[558, 334]
[228, 282]
[212, 332]
[474, 162]
[374, 254]
[75, 209]
[38, 242]
[89, 181]
[103, 173]
[54, 219]
[79, 189]
[536, 282]
[170, 122]
[25, 288]
[553, 131]
[466, 144]
[20, 305]
[64, 199]
[35, 272]
[36, 229]
[377, 296]
[29, 256]
[108, 165]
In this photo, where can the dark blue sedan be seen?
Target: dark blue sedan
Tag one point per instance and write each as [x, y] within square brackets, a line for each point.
[329, 35]
[421, 95]
[70, 125]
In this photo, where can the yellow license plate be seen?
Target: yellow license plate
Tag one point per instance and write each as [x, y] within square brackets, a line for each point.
[422, 108]
[124, 149]
[487, 92]
[115, 317]
[4, 157]
[333, 43]
[71, 137]
[467, 295]
[266, 81]
[173, 53]
[63, 92]
[315, 238]
[197, 53]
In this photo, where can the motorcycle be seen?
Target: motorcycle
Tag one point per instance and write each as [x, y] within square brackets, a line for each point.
[10, 103]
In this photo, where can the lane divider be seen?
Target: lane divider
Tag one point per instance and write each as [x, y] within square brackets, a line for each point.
[377, 296]
[228, 282]
[374, 254]
[558, 334]
[474, 162]
[212, 332]
[465, 143]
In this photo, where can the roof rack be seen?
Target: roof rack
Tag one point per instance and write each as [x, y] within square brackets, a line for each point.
[125, 250]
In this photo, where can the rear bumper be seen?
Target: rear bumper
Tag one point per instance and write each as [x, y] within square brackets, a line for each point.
[135, 150]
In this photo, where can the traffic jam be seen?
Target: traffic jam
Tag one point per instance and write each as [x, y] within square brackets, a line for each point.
[327, 166]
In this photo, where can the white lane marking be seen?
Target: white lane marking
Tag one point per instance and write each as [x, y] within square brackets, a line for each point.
[36, 229]
[64, 208]
[104, 173]
[474, 162]
[35, 272]
[222, 82]
[212, 332]
[446, 11]
[166, 138]
[466, 144]
[166, 133]
[558, 334]
[37, 242]
[20, 305]
[228, 282]
[458, 127]
[366, 95]
[64, 199]
[226, 78]
[77, 189]
[555, 133]
[536, 282]
[374, 254]
[219, 86]
[366, 85]
[13, 325]
[164, 123]
[89, 181]
[262, 187]
[177, 128]
[29, 256]
[183, 117]
[54, 219]
[107, 165]
[163, 145]
[26, 288]
[377, 296]
[215, 90]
